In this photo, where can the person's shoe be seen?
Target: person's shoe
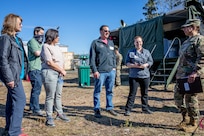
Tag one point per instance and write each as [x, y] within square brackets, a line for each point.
[112, 112]
[62, 117]
[127, 113]
[191, 126]
[97, 114]
[38, 113]
[23, 135]
[50, 122]
[183, 123]
[147, 111]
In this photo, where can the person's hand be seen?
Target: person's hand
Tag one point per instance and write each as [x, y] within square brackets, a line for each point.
[192, 77]
[11, 84]
[63, 72]
[96, 74]
[136, 65]
[144, 65]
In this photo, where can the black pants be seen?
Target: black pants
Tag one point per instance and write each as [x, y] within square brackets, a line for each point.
[134, 83]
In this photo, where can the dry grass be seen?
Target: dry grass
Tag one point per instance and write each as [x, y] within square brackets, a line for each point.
[78, 106]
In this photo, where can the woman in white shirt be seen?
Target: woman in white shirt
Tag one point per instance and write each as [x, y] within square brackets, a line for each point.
[52, 76]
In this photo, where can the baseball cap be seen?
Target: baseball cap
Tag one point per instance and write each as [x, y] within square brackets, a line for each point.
[190, 22]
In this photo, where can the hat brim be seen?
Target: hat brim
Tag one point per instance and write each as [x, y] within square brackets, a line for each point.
[185, 25]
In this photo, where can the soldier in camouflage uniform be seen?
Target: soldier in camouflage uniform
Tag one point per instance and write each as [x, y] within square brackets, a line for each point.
[119, 59]
[191, 65]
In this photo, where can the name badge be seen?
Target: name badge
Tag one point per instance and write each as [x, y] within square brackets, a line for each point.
[111, 48]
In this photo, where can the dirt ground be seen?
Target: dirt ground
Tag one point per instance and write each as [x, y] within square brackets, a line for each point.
[78, 106]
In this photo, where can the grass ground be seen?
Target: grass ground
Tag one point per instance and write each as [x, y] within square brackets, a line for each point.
[78, 106]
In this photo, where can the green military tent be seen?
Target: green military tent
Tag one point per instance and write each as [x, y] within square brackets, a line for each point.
[157, 30]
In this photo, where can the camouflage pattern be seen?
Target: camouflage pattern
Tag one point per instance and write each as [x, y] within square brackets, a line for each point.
[186, 103]
[189, 22]
[191, 60]
[119, 59]
[191, 57]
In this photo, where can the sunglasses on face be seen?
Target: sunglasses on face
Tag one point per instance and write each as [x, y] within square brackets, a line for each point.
[106, 31]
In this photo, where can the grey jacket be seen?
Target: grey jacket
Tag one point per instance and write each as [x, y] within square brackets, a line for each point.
[102, 56]
[10, 59]
[134, 57]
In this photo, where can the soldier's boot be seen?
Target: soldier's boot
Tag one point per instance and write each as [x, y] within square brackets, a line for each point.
[191, 126]
[184, 122]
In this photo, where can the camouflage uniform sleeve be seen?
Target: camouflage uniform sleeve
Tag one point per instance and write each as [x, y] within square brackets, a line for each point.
[120, 59]
[199, 64]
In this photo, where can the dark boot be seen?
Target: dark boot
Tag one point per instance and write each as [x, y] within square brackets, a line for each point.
[185, 118]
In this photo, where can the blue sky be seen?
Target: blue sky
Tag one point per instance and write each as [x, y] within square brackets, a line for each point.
[79, 20]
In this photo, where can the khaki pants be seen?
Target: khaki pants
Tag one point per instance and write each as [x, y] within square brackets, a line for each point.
[117, 77]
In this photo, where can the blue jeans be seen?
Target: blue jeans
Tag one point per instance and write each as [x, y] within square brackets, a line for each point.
[109, 80]
[15, 104]
[36, 82]
[53, 87]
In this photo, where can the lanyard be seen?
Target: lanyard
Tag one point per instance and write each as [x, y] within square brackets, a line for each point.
[22, 56]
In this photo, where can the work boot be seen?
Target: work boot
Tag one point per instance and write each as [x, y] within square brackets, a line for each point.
[184, 122]
[191, 126]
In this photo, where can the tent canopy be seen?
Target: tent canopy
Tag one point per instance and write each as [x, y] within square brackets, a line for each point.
[151, 32]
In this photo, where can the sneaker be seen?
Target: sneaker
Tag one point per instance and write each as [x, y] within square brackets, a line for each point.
[97, 114]
[62, 117]
[127, 113]
[50, 122]
[112, 112]
[38, 113]
[147, 111]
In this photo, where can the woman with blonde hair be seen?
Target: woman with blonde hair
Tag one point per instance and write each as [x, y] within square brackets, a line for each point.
[13, 69]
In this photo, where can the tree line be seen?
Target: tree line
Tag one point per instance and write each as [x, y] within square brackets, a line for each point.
[154, 8]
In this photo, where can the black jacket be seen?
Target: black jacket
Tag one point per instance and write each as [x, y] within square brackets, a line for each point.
[102, 56]
[10, 59]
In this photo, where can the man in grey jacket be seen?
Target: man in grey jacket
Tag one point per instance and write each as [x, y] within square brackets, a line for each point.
[103, 66]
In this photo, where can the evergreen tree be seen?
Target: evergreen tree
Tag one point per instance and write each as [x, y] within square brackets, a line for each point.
[151, 10]
[167, 5]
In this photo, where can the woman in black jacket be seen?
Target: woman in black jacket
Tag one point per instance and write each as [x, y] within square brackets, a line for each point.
[13, 69]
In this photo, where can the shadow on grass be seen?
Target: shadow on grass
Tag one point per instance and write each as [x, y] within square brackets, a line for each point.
[2, 110]
[109, 121]
[88, 114]
[152, 108]
[160, 99]
[202, 112]
[154, 89]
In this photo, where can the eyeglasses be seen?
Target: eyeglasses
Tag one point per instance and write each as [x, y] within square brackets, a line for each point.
[106, 31]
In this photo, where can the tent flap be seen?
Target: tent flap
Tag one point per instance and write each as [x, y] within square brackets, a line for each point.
[152, 33]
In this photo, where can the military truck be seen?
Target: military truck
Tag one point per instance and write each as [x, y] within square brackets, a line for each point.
[162, 37]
